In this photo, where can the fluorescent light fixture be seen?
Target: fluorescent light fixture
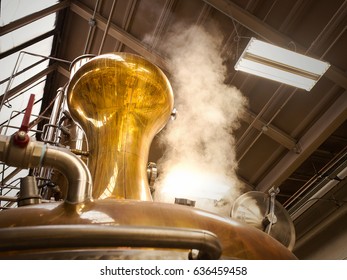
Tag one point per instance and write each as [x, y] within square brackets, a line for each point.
[282, 65]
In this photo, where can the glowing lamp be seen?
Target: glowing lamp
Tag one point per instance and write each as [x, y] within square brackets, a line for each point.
[282, 65]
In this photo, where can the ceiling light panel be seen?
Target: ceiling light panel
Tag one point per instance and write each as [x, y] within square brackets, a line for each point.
[282, 65]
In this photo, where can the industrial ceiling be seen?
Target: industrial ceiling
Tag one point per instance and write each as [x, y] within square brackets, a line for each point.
[286, 137]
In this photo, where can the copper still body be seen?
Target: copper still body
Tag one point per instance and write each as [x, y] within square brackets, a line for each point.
[121, 101]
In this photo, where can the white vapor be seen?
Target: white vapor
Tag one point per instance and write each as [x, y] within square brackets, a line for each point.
[199, 163]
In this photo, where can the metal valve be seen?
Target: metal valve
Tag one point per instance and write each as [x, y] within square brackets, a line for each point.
[21, 138]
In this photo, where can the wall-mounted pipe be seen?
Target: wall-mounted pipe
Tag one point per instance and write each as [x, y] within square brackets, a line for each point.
[50, 133]
[37, 154]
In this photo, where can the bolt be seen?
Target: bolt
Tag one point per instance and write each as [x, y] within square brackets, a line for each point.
[92, 22]
[265, 128]
[174, 114]
[21, 135]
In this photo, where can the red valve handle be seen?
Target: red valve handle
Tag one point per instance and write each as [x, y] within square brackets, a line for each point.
[26, 118]
[21, 138]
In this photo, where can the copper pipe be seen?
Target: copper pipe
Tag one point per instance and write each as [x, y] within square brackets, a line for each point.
[37, 154]
[91, 236]
[50, 133]
[75, 171]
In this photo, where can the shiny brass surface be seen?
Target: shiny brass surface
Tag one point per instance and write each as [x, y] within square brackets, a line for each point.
[237, 240]
[121, 101]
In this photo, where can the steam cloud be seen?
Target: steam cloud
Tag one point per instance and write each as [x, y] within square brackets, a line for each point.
[199, 162]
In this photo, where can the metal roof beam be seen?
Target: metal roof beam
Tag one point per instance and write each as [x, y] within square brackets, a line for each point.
[22, 71]
[33, 17]
[28, 43]
[133, 43]
[269, 33]
[27, 82]
[314, 137]
[62, 70]
[119, 34]
[270, 130]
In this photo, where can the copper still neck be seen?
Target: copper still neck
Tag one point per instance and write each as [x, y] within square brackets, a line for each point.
[121, 101]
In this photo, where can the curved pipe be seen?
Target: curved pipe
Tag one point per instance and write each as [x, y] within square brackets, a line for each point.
[37, 154]
[75, 171]
[97, 236]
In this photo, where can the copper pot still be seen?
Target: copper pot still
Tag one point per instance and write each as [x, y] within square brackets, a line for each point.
[121, 101]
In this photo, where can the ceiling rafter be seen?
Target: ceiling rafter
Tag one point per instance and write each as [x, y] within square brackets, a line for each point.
[33, 17]
[91, 32]
[314, 137]
[28, 82]
[204, 14]
[310, 140]
[22, 71]
[119, 34]
[162, 22]
[127, 39]
[270, 34]
[63, 70]
[128, 15]
[28, 43]
[271, 131]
